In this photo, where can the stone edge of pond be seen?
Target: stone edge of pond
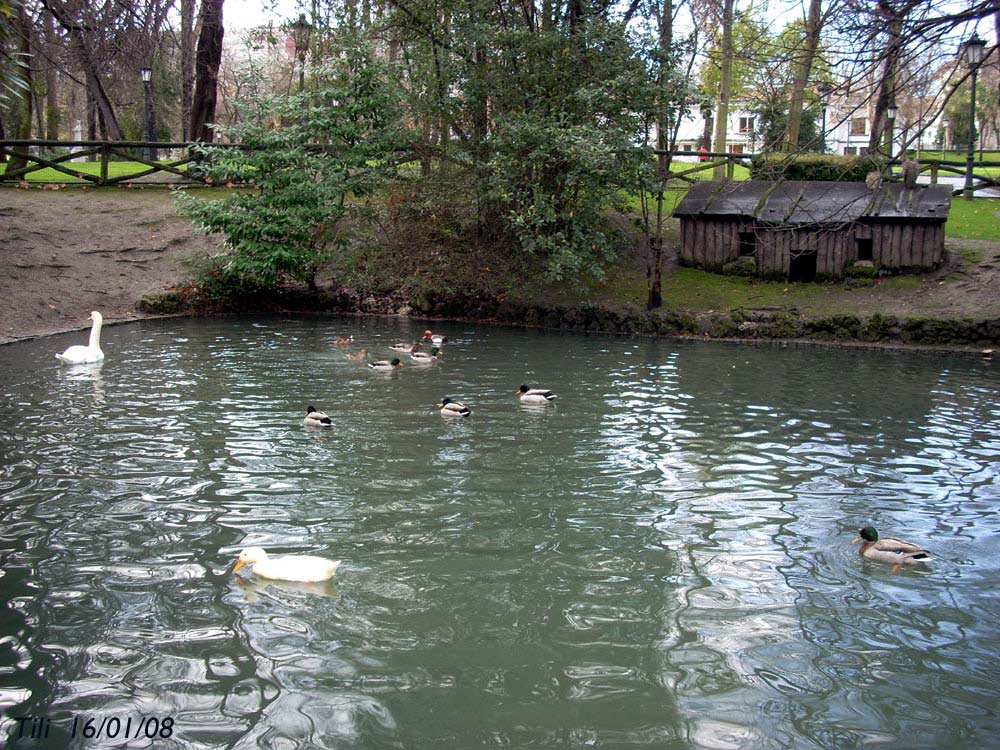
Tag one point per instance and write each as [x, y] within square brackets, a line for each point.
[784, 324]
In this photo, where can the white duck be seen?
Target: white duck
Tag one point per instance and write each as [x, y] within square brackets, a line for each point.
[305, 568]
[82, 355]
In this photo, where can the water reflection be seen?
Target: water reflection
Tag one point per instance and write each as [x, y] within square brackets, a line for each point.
[659, 559]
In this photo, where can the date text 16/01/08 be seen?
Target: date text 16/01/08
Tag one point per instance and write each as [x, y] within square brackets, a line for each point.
[94, 727]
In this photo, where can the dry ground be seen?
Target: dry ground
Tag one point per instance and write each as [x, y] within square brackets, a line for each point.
[73, 250]
[67, 252]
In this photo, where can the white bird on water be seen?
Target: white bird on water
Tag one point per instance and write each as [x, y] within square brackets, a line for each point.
[304, 568]
[82, 355]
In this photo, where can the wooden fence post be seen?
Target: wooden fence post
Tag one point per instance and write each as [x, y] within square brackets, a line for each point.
[105, 158]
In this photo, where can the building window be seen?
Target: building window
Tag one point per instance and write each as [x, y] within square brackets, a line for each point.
[859, 126]
[863, 150]
[687, 147]
[850, 150]
[747, 124]
[736, 148]
[748, 244]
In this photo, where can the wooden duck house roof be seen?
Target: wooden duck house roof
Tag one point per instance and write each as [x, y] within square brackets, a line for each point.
[814, 203]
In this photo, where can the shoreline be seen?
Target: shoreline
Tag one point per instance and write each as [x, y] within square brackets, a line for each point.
[981, 350]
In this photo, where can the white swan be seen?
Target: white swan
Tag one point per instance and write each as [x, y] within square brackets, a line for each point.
[305, 568]
[82, 355]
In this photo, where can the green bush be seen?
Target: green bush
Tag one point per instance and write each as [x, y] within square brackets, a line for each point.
[745, 266]
[310, 157]
[826, 167]
[862, 269]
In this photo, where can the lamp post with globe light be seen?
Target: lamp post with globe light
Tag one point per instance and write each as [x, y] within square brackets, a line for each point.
[973, 49]
[301, 33]
[147, 94]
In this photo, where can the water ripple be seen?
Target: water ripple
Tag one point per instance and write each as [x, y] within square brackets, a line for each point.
[659, 559]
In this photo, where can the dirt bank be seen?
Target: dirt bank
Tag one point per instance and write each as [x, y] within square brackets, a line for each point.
[69, 251]
[73, 250]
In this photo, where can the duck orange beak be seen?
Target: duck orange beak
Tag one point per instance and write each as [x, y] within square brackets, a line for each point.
[239, 564]
[856, 539]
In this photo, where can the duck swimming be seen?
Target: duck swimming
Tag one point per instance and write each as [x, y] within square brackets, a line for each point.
[315, 418]
[535, 395]
[434, 338]
[896, 552]
[451, 408]
[304, 568]
[423, 358]
[386, 364]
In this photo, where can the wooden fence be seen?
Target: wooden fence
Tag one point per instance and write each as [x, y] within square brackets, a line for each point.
[33, 152]
[38, 155]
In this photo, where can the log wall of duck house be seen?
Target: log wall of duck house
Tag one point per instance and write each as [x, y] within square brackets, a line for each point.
[774, 249]
[709, 243]
[902, 246]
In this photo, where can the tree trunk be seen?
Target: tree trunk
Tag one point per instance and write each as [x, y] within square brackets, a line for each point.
[803, 67]
[207, 62]
[725, 86]
[187, 65]
[52, 111]
[22, 111]
[78, 43]
[664, 144]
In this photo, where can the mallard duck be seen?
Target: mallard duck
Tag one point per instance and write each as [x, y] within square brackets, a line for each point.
[363, 354]
[343, 340]
[306, 568]
[423, 358]
[315, 418]
[434, 338]
[451, 408]
[82, 355]
[386, 364]
[535, 395]
[405, 348]
[889, 550]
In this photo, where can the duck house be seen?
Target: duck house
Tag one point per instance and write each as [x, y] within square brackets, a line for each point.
[802, 231]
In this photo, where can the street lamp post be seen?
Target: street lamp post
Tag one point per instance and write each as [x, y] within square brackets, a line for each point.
[301, 32]
[973, 56]
[147, 92]
[824, 89]
[890, 115]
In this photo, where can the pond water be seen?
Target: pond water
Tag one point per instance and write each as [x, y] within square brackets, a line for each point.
[661, 559]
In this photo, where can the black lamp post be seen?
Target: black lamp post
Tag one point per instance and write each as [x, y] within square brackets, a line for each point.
[973, 56]
[891, 112]
[147, 92]
[301, 32]
[824, 89]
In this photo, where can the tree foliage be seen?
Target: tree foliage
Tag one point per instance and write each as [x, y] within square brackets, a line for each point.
[282, 230]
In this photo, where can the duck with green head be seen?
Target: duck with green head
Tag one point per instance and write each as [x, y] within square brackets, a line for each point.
[896, 552]
[386, 365]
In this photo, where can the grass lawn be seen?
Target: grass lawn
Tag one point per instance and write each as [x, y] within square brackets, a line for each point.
[702, 291]
[115, 169]
[977, 219]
